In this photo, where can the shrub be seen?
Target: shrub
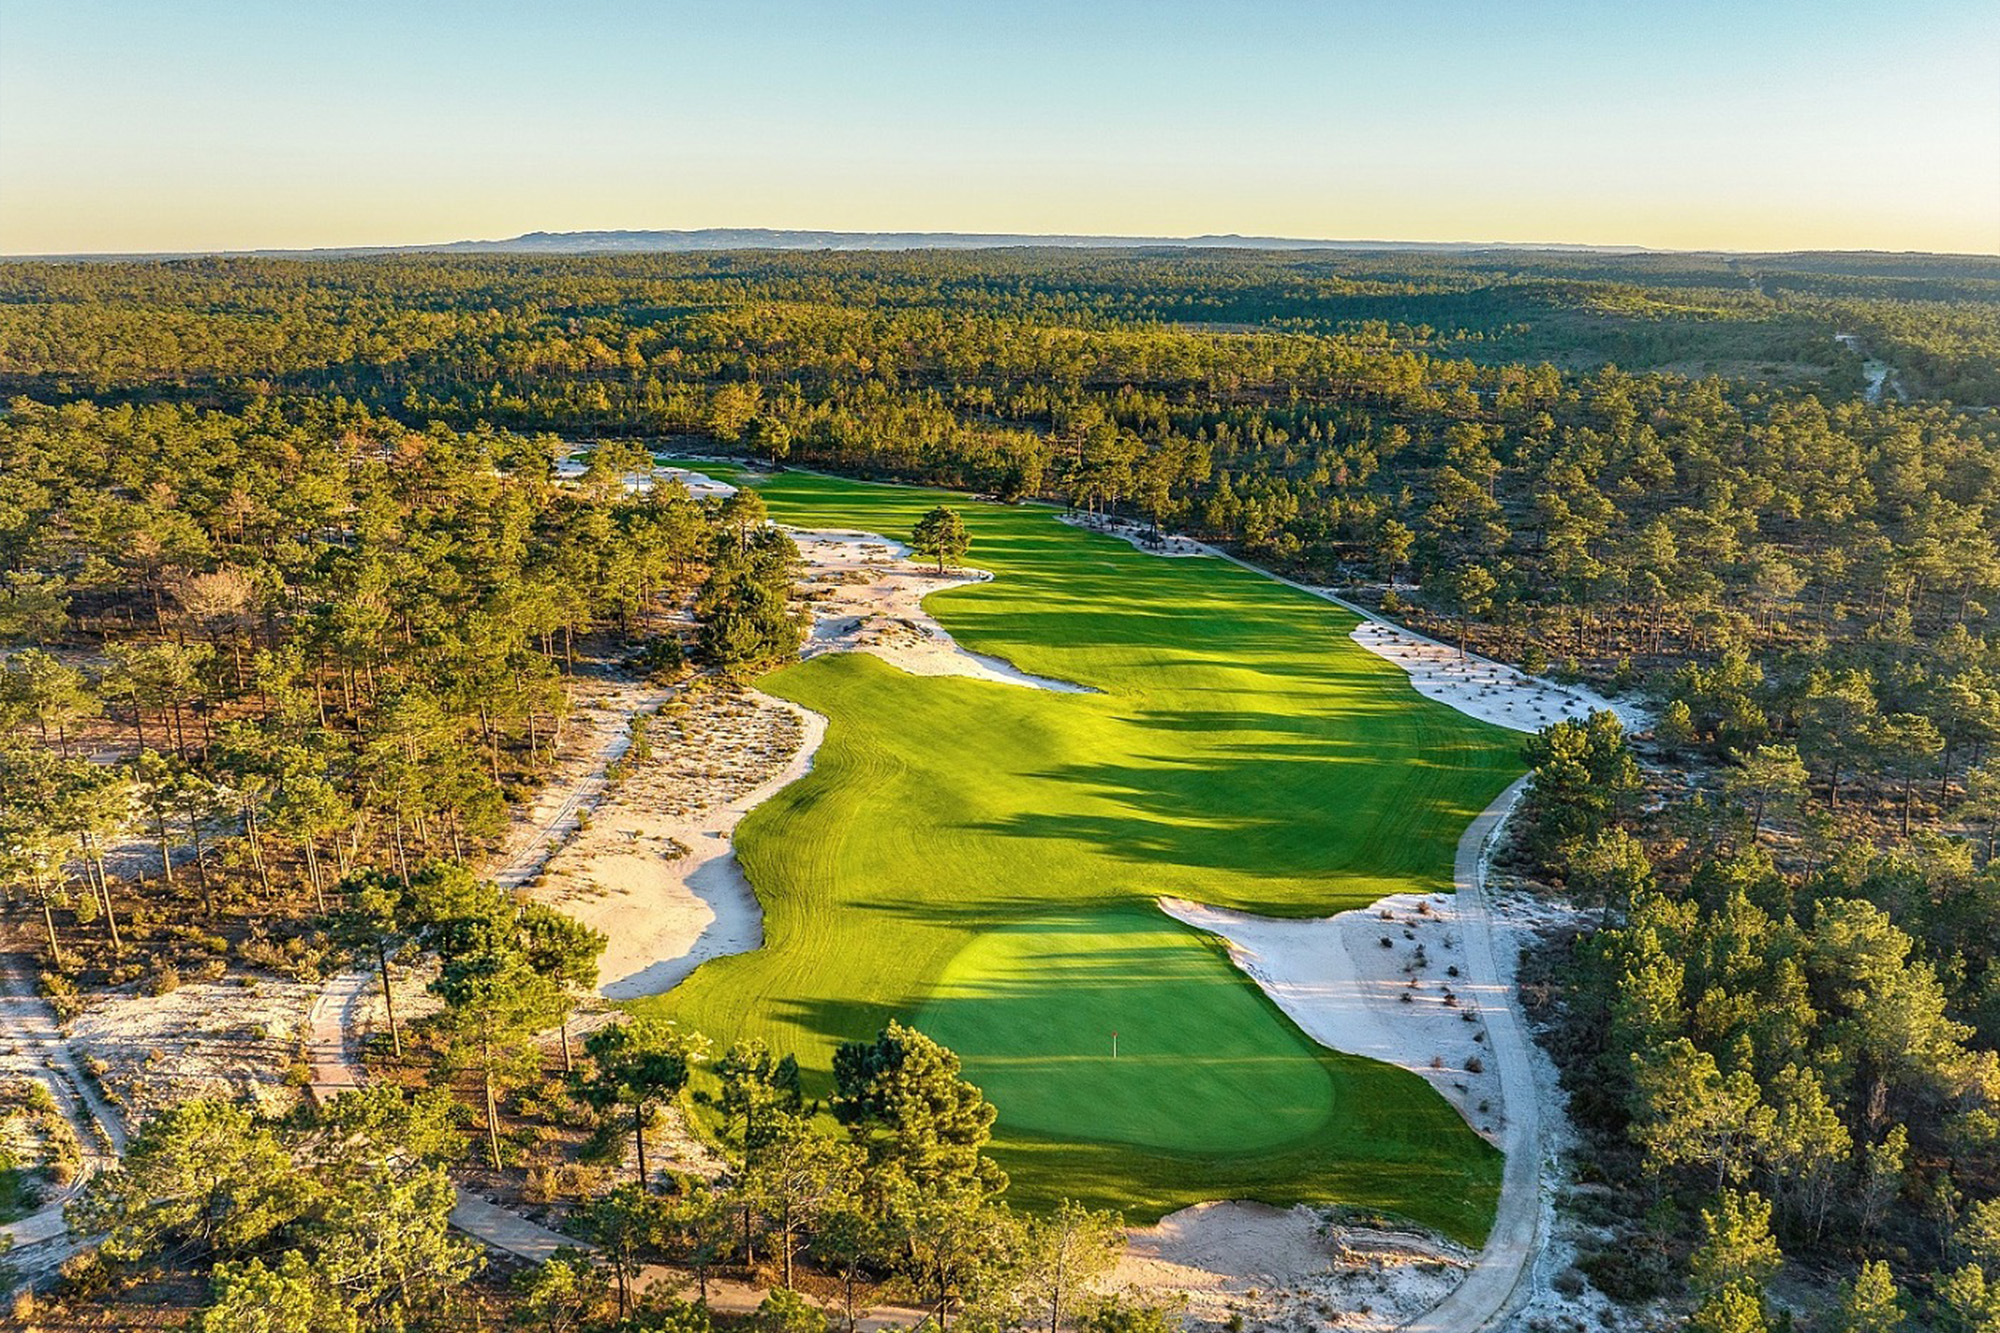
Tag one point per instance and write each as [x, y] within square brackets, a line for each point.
[785, 1311]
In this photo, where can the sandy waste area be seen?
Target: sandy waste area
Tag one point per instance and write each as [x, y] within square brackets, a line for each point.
[700, 485]
[867, 593]
[239, 1036]
[1285, 1269]
[1139, 534]
[653, 869]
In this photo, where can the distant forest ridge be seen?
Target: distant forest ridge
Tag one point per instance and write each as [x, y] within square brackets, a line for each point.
[705, 239]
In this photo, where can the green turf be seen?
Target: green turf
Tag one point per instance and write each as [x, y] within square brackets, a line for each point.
[982, 859]
[1033, 1008]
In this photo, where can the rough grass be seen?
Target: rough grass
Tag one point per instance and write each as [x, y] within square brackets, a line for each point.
[982, 859]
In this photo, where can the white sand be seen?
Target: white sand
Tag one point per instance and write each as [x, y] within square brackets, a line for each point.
[596, 734]
[1286, 1269]
[229, 1039]
[1140, 535]
[654, 870]
[867, 596]
[699, 484]
[1478, 686]
[1335, 979]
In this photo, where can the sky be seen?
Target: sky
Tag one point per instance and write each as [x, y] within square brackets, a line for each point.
[174, 125]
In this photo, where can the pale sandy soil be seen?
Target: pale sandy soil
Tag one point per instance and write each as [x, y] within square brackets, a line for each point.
[1347, 989]
[866, 594]
[699, 485]
[654, 870]
[1139, 534]
[238, 1037]
[596, 733]
[1285, 1269]
[1480, 687]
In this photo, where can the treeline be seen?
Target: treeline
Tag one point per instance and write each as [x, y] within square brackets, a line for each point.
[182, 320]
[1782, 1051]
[336, 1216]
[278, 644]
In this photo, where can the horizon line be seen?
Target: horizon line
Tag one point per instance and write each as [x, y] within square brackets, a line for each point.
[814, 239]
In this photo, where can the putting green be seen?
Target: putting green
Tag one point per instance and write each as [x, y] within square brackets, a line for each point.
[983, 859]
[1034, 1009]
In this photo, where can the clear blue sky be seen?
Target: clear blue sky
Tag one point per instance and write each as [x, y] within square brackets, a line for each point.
[189, 124]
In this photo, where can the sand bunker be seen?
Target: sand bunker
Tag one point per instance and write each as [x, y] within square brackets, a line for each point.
[1140, 535]
[1476, 686]
[699, 484]
[1388, 982]
[867, 596]
[1480, 687]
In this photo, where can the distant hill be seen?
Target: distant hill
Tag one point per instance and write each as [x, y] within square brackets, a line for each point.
[767, 238]
[1510, 254]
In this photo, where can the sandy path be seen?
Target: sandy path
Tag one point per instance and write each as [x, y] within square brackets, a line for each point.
[334, 1065]
[41, 1240]
[1490, 1289]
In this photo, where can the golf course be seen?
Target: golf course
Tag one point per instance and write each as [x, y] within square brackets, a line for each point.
[983, 861]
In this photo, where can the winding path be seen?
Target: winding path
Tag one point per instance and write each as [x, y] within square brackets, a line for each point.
[1490, 1290]
[41, 1240]
[1496, 1285]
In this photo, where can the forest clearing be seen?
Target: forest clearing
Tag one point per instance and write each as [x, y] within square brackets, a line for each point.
[916, 872]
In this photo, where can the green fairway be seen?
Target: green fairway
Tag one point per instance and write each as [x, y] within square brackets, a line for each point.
[982, 860]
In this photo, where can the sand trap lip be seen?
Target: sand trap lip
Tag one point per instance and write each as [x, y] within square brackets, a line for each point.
[884, 616]
[1478, 686]
[1336, 980]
